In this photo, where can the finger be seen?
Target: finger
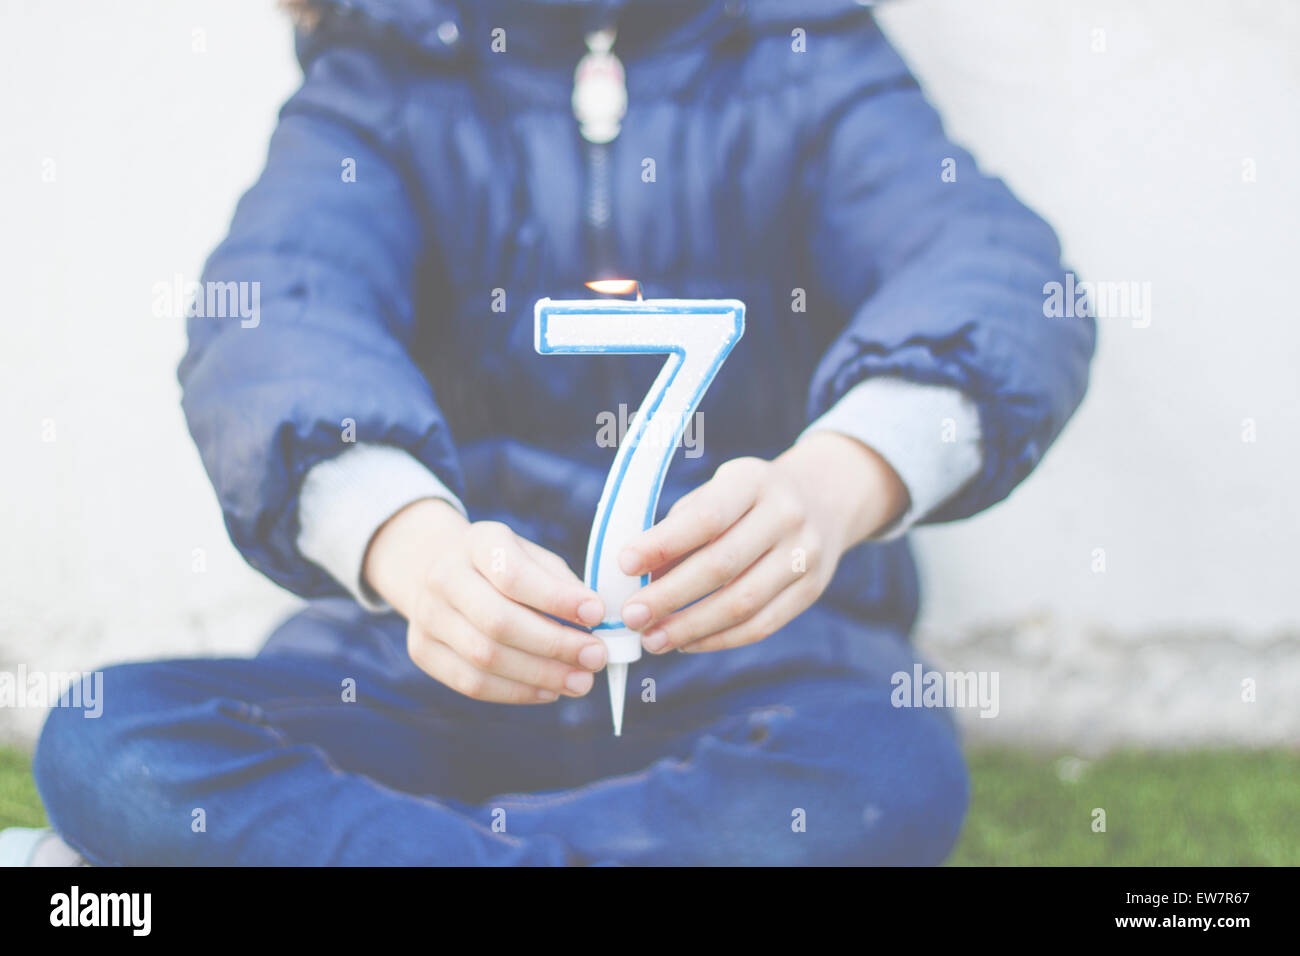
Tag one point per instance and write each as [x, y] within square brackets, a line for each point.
[705, 570]
[518, 626]
[663, 569]
[714, 507]
[740, 600]
[549, 560]
[501, 559]
[660, 573]
[493, 657]
[779, 612]
[443, 664]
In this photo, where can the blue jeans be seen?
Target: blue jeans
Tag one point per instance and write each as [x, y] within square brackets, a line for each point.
[330, 747]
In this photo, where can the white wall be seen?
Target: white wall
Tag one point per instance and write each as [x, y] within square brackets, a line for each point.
[152, 144]
[1135, 154]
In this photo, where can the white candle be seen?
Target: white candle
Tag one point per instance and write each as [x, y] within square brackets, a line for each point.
[696, 335]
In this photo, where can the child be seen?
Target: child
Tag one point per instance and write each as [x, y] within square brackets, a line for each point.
[386, 442]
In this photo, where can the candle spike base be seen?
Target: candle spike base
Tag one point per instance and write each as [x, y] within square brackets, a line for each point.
[617, 674]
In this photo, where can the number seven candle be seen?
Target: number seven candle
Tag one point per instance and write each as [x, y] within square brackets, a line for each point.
[695, 336]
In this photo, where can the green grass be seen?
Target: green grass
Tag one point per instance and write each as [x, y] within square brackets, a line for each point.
[19, 805]
[1195, 808]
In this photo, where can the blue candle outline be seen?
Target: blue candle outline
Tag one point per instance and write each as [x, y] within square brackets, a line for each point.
[545, 308]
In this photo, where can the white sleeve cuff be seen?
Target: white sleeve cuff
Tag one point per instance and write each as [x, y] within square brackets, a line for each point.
[929, 435]
[346, 499]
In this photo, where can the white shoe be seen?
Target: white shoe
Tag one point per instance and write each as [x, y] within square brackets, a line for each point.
[23, 846]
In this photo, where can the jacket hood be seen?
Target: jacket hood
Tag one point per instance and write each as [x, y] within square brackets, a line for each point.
[552, 29]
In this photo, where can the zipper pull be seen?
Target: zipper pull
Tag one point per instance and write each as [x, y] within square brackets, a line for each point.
[599, 89]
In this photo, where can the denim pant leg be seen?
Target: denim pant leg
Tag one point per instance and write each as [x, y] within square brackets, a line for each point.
[780, 753]
[817, 769]
[269, 761]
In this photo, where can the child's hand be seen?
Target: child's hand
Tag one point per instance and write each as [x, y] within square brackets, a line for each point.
[761, 539]
[476, 598]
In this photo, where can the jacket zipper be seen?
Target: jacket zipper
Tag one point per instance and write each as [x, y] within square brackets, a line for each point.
[600, 232]
[599, 103]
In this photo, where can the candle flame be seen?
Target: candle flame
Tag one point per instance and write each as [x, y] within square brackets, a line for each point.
[615, 286]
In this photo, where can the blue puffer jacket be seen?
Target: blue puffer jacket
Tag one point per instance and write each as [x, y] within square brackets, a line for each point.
[775, 170]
